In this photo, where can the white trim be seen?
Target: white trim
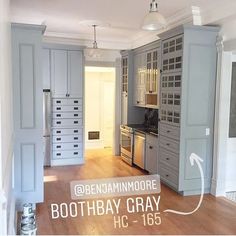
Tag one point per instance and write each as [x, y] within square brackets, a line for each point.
[221, 128]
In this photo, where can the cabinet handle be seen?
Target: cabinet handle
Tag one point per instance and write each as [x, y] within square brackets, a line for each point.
[75, 138]
[58, 108]
[58, 139]
[150, 147]
[59, 146]
[76, 101]
[58, 101]
[76, 115]
[58, 115]
[76, 153]
[76, 108]
[76, 122]
[58, 122]
[76, 145]
[75, 131]
[58, 154]
[68, 95]
[58, 132]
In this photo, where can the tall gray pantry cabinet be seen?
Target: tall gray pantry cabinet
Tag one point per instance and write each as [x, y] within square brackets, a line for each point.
[63, 67]
[27, 112]
[187, 106]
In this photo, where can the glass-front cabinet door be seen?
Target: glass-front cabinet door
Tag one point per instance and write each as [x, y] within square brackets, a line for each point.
[124, 74]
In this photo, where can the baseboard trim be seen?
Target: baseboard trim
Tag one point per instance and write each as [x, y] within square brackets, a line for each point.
[67, 162]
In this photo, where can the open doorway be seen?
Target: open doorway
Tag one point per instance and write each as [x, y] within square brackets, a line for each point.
[99, 107]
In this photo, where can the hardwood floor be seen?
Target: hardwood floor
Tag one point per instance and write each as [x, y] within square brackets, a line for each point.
[216, 215]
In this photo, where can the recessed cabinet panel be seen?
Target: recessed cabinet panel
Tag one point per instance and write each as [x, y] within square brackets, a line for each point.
[28, 168]
[27, 86]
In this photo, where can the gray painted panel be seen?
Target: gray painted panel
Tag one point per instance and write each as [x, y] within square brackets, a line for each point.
[198, 146]
[199, 84]
[27, 86]
[27, 167]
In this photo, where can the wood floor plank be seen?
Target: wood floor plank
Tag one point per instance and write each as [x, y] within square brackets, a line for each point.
[216, 215]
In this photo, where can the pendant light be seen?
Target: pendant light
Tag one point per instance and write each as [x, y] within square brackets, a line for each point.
[154, 20]
[94, 52]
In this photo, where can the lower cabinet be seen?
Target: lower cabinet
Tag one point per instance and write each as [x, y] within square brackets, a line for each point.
[151, 163]
[67, 131]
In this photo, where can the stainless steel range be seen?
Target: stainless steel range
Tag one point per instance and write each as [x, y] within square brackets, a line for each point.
[127, 142]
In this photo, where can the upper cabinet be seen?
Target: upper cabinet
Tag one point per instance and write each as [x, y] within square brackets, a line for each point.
[64, 68]
[75, 74]
[129, 113]
[147, 64]
[59, 73]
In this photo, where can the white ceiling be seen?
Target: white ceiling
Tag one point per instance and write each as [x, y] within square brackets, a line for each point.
[63, 18]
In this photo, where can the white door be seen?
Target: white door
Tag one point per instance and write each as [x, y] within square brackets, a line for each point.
[108, 113]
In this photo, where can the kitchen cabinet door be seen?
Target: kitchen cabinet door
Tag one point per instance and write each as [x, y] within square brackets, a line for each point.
[151, 164]
[75, 74]
[59, 73]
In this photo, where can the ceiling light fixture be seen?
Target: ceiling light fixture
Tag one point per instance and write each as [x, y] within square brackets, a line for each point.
[154, 20]
[94, 52]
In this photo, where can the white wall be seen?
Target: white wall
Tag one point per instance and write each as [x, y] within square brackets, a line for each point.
[6, 129]
[95, 104]
[224, 174]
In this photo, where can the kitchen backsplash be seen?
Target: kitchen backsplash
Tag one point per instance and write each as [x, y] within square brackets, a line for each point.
[151, 118]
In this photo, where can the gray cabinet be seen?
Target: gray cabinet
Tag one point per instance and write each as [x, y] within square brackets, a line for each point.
[66, 73]
[151, 161]
[147, 64]
[187, 106]
[130, 114]
[27, 112]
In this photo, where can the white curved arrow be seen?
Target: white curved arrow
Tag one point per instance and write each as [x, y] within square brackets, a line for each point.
[193, 158]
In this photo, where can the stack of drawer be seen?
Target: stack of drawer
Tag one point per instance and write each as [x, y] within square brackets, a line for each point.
[170, 108]
[67, 129]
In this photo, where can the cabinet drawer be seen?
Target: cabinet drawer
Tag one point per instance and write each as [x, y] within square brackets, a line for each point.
[66, 131]
[67, 139]
[152, 140]
[66, 146]
[169, 144]
[169, 131]
[168, 175]
[59, 108]
[169, 159]
[66, 122]
[67, 102]
[68, 115]
[67, 154]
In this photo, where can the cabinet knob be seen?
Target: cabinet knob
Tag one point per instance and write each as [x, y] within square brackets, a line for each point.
[168, 131]
[167, 175]
[167, 158]
[150, 147]
[167, 144]
[138, 102]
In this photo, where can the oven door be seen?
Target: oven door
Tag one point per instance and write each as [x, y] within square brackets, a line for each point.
[126, 143]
